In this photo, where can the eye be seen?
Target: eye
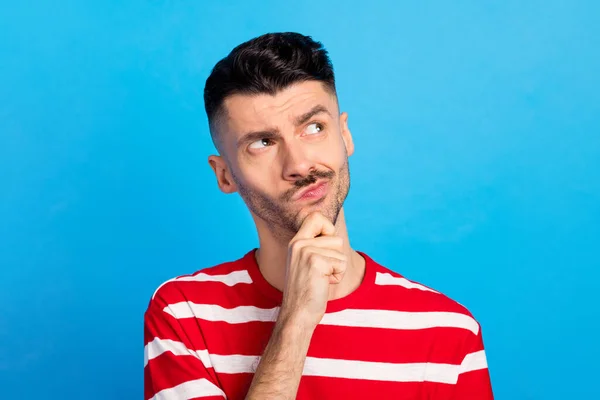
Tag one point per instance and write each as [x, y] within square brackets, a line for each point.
[261, 143]
[314, 128]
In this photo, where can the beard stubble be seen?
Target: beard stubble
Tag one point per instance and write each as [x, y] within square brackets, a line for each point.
[280, 215]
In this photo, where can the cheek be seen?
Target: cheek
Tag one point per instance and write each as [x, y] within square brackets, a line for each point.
[336, 159]
[337, 142]
[261, 181]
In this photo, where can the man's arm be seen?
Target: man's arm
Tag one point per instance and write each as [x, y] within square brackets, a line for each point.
[280, 369]
[315, 260]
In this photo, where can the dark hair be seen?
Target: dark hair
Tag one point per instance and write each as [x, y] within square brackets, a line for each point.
[266, 64]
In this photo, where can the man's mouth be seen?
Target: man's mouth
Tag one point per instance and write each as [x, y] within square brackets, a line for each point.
[316, 191]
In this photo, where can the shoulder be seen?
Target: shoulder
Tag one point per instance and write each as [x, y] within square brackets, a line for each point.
[397, 292]
[207, 282]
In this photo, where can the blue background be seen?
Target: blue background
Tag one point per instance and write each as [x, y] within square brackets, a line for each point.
[477, 131]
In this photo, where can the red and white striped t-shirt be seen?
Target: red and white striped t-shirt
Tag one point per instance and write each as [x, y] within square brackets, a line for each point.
[389, 339]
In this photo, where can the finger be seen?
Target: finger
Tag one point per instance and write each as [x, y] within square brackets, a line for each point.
[312, 253]
[330, 266]
[326, 242]
[314, 225]
[334, 279]
[327, 263]
[334, 269]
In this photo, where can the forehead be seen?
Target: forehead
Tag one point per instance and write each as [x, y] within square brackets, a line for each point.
[259, 111]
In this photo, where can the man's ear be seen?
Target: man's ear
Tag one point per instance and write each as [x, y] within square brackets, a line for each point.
[346, 135]
[222, 173]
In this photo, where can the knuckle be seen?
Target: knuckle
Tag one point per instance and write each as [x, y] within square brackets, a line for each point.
[312, 259]
[296, 245]
[307, 255]
[342, 262]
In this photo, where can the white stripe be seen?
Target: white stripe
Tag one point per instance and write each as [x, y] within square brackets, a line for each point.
[387, 279]
[408, 372]
[237, 315]
[335, 368]
[350, 369]
[190, 390]
[158, 346]
[230, 279]
[473, 362]
[385, 319]
[235, 364]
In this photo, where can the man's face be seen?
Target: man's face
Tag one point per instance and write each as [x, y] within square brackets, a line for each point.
[287, 155]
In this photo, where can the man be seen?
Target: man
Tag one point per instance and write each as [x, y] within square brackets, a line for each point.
[303, 316]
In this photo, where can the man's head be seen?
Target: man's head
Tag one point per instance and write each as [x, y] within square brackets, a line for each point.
[274, 118]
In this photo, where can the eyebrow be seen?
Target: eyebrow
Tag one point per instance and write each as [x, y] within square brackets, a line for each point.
[274, 133]
[318, 109]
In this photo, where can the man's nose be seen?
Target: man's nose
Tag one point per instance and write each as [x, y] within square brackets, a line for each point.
[297, 162]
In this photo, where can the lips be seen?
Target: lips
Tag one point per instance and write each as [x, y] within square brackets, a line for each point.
[313, 192]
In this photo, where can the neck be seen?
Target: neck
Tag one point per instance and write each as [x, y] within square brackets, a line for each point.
[272, 256]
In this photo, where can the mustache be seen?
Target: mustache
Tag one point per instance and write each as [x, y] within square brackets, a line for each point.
[307, 181]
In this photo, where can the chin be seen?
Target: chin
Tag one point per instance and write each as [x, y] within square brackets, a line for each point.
[325, 209]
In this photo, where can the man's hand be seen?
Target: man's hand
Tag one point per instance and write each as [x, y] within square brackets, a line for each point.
[315, 260]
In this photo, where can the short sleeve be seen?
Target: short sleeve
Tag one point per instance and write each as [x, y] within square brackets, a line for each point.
[174, 367]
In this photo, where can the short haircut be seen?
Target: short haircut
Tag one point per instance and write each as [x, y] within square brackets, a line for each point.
[265, 65]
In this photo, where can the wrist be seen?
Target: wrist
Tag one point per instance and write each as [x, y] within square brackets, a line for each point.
[295, 327]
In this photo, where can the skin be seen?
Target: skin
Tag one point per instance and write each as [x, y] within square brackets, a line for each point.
[273, 147]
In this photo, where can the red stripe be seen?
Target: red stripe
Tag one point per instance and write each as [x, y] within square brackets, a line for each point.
[388, 297]
[168, 370]
[236, 385]
[440, 345]
[314, 387]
